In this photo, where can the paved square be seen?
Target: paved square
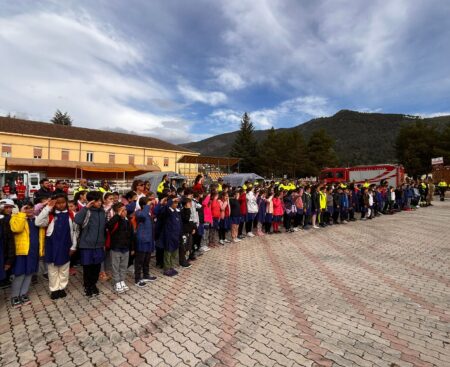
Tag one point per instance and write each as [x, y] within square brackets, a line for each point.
[373, 293]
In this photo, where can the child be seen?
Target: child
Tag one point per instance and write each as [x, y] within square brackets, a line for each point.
[235, 216]
[120, 235]
[80, 199]
[29, 243]
[188, 229]
[269, 213]
[105, 269]
[224, 223]
[208, 235]
[290, 210]
[171, 234]
[307, 207]
[60, 242]
[243, 208]
[215, 212]
[262, 207]
[252, 211]
[277, 211]
[7, 246]
[145, 243]
[92, 220]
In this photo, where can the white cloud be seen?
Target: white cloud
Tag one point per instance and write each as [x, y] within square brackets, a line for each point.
[229, 79]
[59, 61]
[289, 112]
[195, 95]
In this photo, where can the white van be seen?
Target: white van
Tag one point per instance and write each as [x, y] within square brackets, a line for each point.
[33, 182]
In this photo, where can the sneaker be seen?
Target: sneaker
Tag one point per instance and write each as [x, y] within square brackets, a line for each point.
[15, 302]
[236, 240]
[174, 272]
[345, 222]
[316, 227]
[226, 241]
[95, 291]
[295, 229]
[88, 292]
[250, 234]
[124, 286]
[62, 293]
[186, 265]
[25, 299]
[241, 237]
[140, 283]
[222, 242]
[54, 295]
[205, 249]
[149, 279]
[118, 287]
[169, 273]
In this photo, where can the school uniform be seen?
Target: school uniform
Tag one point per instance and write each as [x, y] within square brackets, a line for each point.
[29, 247]
[235, 217]
[171, 235]
[243, 207]
[145, 243]
[7, 247]
[344, 206]
[188, 226]
[60, 237]
[91, 245]
[252, 211]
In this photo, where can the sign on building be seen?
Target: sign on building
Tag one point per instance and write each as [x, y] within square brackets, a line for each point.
[439, 160]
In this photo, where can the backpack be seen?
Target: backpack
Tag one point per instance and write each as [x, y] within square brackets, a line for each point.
[108, 236]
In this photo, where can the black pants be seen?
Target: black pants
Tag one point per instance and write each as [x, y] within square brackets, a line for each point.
[287, 219]
[160, 257]
[267, 227]
[90, 275]
[141, 265]
[241, 228]
[222, 234]
[196, 241]
[248, 226]
[185, 245]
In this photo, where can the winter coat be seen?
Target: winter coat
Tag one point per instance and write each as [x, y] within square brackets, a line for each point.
[7, 241]
[92, 222]
[215, 209]
[171, 228]
[252, 205]
[243, 203]
[207, 213]
[20, 228]
[277, 207]
[121, 233]
[145, 241]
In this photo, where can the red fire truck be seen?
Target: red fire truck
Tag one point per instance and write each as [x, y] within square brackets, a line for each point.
[392, 174]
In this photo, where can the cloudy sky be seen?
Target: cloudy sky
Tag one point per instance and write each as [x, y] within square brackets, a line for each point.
[184, 70]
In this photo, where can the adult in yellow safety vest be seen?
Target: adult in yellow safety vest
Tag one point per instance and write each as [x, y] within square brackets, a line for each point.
[442, 185]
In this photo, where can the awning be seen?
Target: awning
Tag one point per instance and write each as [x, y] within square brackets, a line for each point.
[203, 159]
[85, 166]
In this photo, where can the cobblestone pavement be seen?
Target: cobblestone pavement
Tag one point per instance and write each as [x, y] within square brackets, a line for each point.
[373, 293]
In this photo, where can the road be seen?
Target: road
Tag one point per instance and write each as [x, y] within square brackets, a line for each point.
[374, 293]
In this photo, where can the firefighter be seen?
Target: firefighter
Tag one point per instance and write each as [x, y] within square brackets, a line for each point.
[21, 192]
[6, 189]
[164, 184]
[442, 185]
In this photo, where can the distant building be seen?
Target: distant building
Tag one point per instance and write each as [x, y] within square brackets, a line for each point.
[74, 152]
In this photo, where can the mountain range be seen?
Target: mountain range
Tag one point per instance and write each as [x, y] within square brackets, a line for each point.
[360, 138]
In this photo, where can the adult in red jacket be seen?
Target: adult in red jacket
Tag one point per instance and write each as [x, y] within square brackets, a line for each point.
[198, 184]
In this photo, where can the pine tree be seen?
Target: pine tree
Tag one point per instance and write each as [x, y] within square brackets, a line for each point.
[415, 145]
[320, 152]
[245, 146]
[61, 118]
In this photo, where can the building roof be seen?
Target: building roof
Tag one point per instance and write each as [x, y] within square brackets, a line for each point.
[202, 159]
[44, 129]
[85, 166]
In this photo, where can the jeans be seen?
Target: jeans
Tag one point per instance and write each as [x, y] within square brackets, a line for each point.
[20, 285]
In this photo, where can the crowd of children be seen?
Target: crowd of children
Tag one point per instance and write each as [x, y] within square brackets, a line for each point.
[108, 234]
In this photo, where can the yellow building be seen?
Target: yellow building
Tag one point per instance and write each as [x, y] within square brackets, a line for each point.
[74, 152]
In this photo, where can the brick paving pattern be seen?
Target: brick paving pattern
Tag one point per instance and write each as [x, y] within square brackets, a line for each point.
[374, 293]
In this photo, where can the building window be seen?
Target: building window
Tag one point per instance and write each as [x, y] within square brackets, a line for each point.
[131, 159]
[149, 161]
[112, 158]
[6, 150]
[64, 155]
[166, 162]
[89, 157]
[37, 153]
